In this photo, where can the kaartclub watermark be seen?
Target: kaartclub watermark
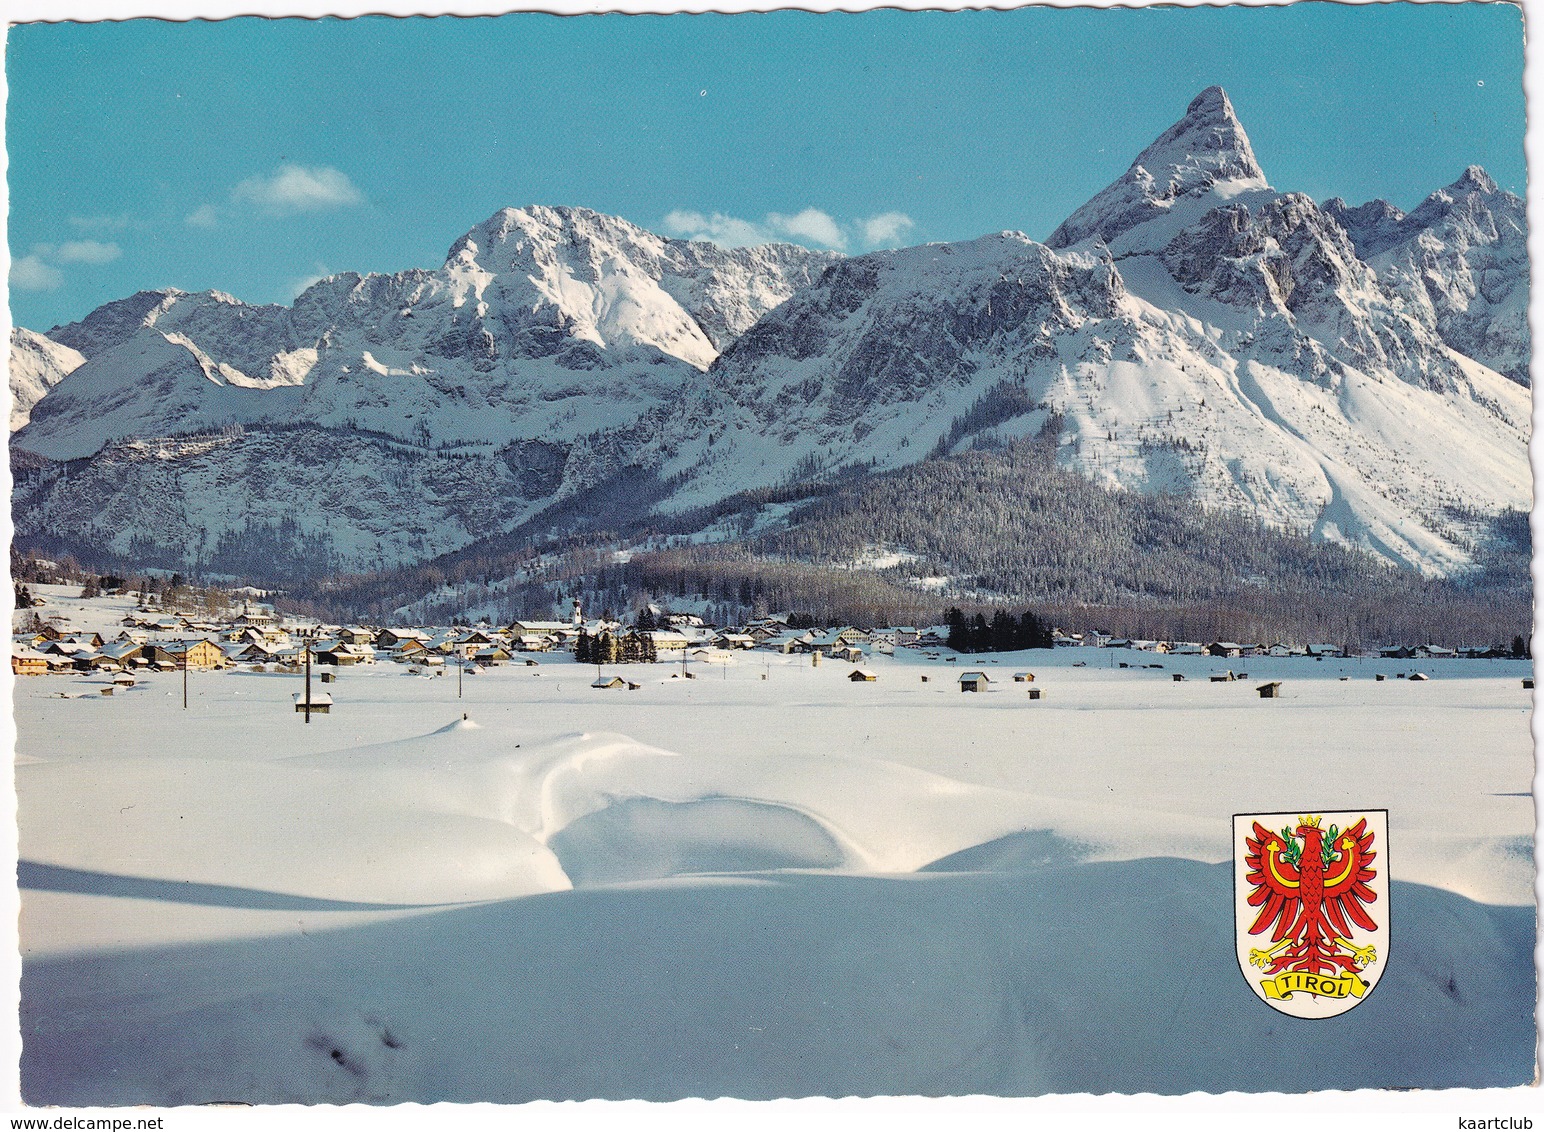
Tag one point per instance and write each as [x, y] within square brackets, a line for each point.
[1311, 908]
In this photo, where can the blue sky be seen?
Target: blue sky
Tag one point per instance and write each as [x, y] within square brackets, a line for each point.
[252, 155]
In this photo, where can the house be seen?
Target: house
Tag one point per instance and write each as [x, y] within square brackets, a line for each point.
[974, 681]
[393, 639]
[1229, 649]
[1271, 691]
[321, 702]
[735, 641]
[1035, 694]
[612, 682]
[124, 653]
[667, 640]
[1023, 677]
[26, 662]
[862, 676]
[255, 616]
[788, 641]
[404, 650]
[491, 657]
[531, 631]
[342, 655]
[184, 654]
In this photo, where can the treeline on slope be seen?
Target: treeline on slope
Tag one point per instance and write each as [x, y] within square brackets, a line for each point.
[1010, 529]
[1006, 529]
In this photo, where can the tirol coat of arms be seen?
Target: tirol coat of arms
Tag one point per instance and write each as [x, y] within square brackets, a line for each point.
[1311, 908]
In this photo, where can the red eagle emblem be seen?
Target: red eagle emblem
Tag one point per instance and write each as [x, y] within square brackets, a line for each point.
[1312, 887]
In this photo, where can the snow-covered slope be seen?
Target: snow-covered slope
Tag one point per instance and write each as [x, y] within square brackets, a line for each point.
[1189, 329]
[37, 365]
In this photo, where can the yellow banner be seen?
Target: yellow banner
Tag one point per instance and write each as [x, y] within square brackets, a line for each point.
[1326, 986]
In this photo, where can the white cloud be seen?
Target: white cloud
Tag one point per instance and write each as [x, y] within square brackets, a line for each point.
[886, 229]
[204, 216]
[726, 231]
[811, 224]
[31, 273]
[87, 251]
[297, 287]
[39, 270]
[297, 188]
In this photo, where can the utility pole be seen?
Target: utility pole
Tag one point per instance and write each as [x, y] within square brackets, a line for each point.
[308, 680]
[460, 675]
[186, 648]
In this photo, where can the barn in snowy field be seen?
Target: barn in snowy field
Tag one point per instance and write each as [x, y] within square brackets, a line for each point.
[321, 703]
[974, 681]
[862, 676]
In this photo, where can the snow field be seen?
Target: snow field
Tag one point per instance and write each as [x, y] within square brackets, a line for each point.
[764, 881]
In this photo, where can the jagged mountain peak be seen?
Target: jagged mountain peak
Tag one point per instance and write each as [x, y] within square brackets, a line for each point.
[1206, 152]
[1209, 141]
[1475, 179]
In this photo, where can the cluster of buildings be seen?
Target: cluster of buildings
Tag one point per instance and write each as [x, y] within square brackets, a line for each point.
[149, 640]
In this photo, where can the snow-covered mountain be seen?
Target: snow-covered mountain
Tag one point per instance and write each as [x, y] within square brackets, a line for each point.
[384, 419]
[543, 322]
[1188, 329]
[37, 365]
